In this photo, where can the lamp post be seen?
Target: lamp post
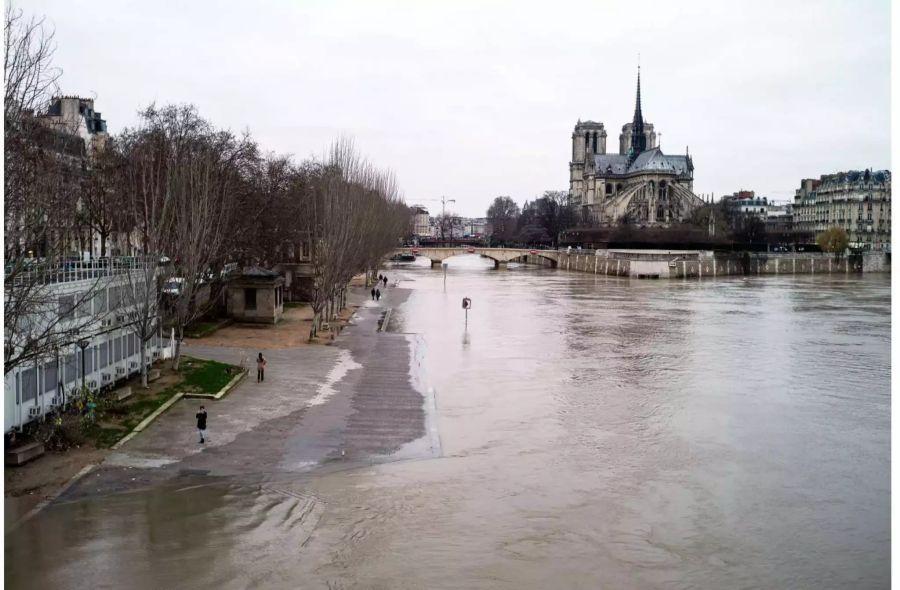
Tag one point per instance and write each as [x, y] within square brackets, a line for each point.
[82, 344]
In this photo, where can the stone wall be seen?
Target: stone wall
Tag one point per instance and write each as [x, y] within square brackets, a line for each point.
[876, 262]
[700, 264]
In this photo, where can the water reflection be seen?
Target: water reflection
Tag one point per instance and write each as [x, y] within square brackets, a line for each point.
[596, 432]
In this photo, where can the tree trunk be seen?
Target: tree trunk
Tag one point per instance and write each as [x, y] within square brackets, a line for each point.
[176, 357]
[144, 382]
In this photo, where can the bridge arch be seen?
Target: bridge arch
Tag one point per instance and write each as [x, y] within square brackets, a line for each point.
[500, 256]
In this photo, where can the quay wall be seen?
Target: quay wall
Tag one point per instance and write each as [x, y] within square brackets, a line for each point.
[699, 264]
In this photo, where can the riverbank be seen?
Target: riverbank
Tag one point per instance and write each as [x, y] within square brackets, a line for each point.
[699, 264]
[347, 404]
[78, 447]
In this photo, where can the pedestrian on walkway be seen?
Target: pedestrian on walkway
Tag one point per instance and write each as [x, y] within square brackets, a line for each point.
[373, 293]
[379, 277]
[377, 295]
[201, 424]
[385, 280]
[260, 368]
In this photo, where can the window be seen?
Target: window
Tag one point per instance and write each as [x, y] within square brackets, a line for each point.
[70, 371]
[250, 299]
[117, 347]
[100, 302]
[50, 377]
[104, 355]
[66, 307]
[29, 384]
[115, 298]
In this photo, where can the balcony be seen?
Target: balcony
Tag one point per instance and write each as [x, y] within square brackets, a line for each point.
[38, 271]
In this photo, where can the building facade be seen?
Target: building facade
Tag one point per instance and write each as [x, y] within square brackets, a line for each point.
[96, 345]
[747, 203]
[857, 201]
[421, 221]
[640, 183]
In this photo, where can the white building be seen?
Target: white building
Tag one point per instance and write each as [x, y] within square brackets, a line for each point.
[474, 227]
[99, 347]
[421, 221]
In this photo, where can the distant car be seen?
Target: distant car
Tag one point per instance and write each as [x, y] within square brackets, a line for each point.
[173, 287]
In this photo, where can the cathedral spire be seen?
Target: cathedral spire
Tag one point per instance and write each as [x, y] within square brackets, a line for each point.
[638, 139]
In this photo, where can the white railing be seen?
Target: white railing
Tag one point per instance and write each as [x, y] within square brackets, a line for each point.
[38, 272]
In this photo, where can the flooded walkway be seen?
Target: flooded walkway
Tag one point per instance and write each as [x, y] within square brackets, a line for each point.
[584, 432]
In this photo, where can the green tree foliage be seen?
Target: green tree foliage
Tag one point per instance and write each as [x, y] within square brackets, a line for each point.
[834, 240]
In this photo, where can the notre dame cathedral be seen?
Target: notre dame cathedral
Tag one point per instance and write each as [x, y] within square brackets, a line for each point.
[640, 183]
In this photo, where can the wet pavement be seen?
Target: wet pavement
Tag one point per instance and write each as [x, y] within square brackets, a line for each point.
[581, 432]
[352, 403]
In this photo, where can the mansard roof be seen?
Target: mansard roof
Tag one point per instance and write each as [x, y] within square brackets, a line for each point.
[652, 160]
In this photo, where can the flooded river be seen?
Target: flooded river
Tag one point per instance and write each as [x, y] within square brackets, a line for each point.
[594, 432]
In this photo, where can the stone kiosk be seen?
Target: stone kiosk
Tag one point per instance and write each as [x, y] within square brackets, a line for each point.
[256, 295]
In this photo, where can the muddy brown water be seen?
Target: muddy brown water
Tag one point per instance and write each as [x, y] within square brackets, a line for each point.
[594, 432]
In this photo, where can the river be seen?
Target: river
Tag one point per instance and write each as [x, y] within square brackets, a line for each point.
[594, 432]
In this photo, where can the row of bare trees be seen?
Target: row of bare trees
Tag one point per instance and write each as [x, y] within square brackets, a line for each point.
[183, 198]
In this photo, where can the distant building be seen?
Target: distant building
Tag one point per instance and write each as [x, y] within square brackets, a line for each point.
[747, 203]
[76, 116]
[857, 201]
[421, 221]
[640, 183]
[474, 227]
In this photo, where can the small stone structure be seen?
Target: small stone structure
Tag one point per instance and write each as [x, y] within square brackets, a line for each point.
[256, 295]
[24, 454]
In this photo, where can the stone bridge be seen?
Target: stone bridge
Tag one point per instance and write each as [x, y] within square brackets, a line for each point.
[500, 256]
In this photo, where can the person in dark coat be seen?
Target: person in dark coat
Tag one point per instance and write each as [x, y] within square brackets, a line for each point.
[201, 424]
[377, 295]
[385, 280]
[373, 293]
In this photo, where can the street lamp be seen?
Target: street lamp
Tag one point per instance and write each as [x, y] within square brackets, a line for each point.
[82, 344]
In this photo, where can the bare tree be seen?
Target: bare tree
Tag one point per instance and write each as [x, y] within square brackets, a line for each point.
[202, 181]
[503, 215]
[101, 204]
[356, 217]
[42, 171]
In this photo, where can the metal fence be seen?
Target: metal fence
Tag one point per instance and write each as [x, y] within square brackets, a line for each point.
[35, 271]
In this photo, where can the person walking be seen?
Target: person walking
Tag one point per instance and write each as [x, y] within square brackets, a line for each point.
[201, 424]
[377, 295]
[260, 368]
[385, 280]
[373, 293]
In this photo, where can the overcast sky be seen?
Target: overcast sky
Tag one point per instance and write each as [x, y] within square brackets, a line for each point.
[478, 99]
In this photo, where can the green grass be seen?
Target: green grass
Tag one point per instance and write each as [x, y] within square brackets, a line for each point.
[202, 376]
[105, 437]
[298, 304]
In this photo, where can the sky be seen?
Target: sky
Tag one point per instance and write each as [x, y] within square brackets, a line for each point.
[472, 100]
